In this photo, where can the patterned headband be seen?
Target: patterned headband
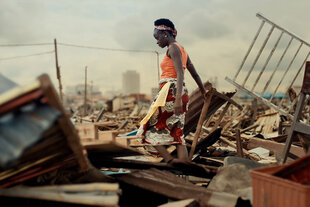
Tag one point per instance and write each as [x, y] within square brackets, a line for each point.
[164, 27]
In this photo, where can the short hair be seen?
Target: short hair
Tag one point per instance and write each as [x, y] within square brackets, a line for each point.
[165, 22]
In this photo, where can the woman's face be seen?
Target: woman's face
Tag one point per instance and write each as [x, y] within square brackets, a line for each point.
[160, 37]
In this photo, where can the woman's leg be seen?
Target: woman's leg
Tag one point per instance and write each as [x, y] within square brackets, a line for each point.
[164, 153]
[182, 152]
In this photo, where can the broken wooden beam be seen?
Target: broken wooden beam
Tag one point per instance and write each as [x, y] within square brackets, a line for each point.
[204, 111]
[239, 143]
[244, 150]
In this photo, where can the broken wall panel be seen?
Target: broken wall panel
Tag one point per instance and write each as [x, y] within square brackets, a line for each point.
[195, 107]
[36, 134]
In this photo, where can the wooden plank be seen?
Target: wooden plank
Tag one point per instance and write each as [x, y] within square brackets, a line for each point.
[248, 128]
[302, 128]
[167, 184]
[212, 159]
[18, 91]
[182, 203]
[110, 149]
[226, 98]
[218, 121]
[112, 187]
[239, 143]
[20, 101]
[86, 131]
[273, 146]
[244, 150]
[305, 143]
[254, 107]
[292, 130]
[200, 122]
[95, 198]
[66, 125]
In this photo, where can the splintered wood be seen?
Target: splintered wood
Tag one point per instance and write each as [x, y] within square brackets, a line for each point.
[253, 121]
[268, 126]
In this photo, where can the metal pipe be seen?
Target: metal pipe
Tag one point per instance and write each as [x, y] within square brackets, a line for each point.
[267, 61]
[301, 67]
[249, 50]
[85, 92]
[281, 28]
[278, 64]
[258, 55]
[286, 71]
[268, 103]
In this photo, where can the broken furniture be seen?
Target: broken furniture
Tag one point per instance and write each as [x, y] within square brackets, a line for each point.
[257, 79]
[202, 108]
[249, 72]
[297, 126]
[196, 104]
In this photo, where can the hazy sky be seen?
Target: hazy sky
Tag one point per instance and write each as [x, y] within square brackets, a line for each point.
[215, 33]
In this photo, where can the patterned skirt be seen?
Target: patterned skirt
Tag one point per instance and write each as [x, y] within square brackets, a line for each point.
[164, 127]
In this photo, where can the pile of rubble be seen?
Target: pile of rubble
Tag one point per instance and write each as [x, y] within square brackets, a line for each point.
[46, 160]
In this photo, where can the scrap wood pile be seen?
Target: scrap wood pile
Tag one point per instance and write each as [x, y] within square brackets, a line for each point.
[43, 162]
[124, 118]
[261, 140]
[39, 146]
[124, 112]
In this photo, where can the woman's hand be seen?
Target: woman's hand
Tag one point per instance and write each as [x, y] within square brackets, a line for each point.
[204, 94]
[177, 106]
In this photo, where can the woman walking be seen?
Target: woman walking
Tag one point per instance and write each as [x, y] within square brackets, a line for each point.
[163, 125]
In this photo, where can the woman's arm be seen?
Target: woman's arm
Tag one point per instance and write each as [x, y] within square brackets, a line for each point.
[175, 55]
[195, 76]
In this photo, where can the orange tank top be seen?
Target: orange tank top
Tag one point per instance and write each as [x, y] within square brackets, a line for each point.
[167, 67]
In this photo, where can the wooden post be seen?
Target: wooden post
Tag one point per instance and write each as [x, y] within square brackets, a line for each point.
[291, 133]
[203, 114]
[85, 92]
[254, 107]
[91, 92]
[58, 71]
[217, 123]
[252, 156]
[239, 143]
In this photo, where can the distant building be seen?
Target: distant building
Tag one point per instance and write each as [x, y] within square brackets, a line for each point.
[120, 102]
[79, 89]
[131, 82]
[140, 97]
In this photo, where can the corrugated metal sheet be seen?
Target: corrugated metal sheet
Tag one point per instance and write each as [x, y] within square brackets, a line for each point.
[20, 130]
